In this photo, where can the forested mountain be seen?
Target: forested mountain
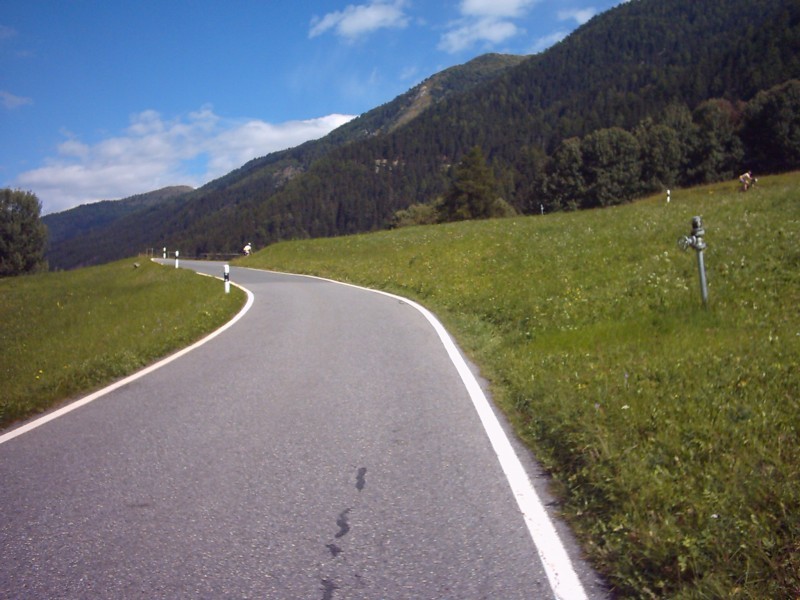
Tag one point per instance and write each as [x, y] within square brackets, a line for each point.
[96, 217]
[652, 93]
[86, 217]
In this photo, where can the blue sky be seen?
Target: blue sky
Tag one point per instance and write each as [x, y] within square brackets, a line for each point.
[103, 99]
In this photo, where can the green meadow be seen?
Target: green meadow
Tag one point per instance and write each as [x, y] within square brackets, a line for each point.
[671, 430]
[68, 333]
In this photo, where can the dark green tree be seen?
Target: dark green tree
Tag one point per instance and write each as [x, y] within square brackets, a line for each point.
[771, 129]
[661, 155]
[716, 151]
[565, 186]
[530, 191]
[611, 167]
[473, 190]
[22, 234]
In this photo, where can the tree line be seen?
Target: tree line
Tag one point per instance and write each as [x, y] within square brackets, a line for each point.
[608, 166]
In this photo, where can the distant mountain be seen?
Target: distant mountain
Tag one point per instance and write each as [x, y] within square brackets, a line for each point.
[677, 71]
[274, 170]
[108, 231]
[82, 220]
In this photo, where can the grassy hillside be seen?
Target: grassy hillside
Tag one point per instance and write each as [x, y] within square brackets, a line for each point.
[64, 334]
[671, 430]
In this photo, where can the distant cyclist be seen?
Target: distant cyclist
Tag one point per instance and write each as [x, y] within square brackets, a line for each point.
[747, 180]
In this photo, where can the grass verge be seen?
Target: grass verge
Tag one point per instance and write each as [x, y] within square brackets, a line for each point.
[68, 333]
[671, 430]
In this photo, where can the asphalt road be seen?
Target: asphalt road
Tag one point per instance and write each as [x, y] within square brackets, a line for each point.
[322, 447]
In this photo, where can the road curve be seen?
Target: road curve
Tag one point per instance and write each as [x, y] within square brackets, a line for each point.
[322, 447]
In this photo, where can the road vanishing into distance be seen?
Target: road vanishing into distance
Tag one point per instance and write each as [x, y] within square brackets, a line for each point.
[326, 445]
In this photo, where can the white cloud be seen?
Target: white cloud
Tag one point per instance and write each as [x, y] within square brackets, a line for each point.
[543, 43]
[359, 20]
[154, 152]
[579, 15]
[488, 30]
[10, 101]
[237, 145]
[510, 9]
[488, 22]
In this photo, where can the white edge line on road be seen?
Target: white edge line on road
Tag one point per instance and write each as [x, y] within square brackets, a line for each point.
[563, 578]
[147, 370]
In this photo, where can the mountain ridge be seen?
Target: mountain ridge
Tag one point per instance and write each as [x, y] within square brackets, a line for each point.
[635, 62]
[81, 219]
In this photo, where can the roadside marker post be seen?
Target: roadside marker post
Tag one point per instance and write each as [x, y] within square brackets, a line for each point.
[165, 252]
[177, 253]
[227, 277]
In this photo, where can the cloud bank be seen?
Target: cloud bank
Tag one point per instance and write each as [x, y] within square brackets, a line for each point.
[154, 152]
[358, 21]
[487, 22]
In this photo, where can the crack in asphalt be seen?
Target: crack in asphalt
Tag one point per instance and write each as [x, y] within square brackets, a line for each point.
[344, 526]
[361, 478]
[328, 586]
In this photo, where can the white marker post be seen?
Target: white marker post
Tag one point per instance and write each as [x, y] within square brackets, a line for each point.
[177, 253]
[227, 271]
[667, 196]
[165, 252]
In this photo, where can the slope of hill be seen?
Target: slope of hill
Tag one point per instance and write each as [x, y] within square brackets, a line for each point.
[647, 63]
[84, 219]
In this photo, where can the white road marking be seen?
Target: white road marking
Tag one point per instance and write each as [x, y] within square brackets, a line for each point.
[106, 390]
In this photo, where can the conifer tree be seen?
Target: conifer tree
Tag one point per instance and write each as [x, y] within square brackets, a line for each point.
[473, 190]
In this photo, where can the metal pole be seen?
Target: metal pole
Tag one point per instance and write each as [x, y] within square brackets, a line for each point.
[697, 242]
[703, 283]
